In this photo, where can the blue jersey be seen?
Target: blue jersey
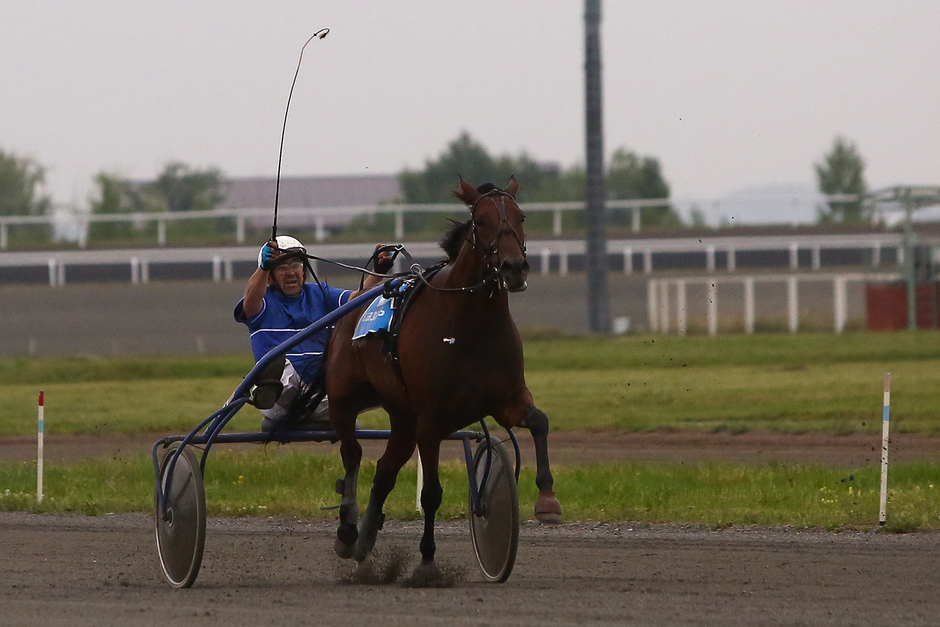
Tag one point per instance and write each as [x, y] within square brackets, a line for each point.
[282, 316]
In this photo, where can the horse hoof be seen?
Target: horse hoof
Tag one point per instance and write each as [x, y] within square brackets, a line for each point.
[547, 508]
[344, 551]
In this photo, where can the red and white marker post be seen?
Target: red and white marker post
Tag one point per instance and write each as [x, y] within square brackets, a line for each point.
[39, 434]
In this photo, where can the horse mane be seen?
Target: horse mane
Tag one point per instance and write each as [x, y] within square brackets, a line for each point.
[456, 234]
[453, 239]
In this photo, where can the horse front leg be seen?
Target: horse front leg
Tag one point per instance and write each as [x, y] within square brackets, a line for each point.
[397, 452]
[347, 532]
[432, 495]
[547, 507]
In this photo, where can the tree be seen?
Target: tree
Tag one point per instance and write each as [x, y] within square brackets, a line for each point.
[843, 172]
[468, 158]
[20, 179]
[631, 177]
[183, 188]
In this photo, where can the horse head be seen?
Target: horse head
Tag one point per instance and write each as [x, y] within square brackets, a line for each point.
[496, 231]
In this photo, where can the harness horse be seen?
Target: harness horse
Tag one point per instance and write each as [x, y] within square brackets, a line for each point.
[456, 360]
[459, 360]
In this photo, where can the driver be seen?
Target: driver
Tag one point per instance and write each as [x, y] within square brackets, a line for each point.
[278, 302]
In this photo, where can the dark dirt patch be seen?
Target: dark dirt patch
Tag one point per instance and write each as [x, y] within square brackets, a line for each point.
[89, 571]
[572, 448]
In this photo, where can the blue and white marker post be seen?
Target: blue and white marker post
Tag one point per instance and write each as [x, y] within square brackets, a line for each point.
[40, 427]
[885, 428]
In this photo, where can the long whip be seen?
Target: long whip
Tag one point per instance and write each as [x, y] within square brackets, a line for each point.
[323, 32]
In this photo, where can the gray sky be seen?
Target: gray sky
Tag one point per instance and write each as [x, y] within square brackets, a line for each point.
[726, 94]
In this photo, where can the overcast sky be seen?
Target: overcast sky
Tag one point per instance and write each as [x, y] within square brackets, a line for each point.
[726, 94]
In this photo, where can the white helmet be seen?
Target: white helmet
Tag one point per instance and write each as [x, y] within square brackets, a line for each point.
[286, 244]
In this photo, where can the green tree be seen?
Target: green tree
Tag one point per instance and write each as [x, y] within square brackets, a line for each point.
[631, 177]
[183, 188]
[115, 194]
[20, 179]
[842, 171]
[468, 158]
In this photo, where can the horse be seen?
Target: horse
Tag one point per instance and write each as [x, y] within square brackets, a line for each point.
[459, 360]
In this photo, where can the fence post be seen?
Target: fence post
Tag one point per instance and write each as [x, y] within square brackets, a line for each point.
[876, 254]
[135, 270]
[647, 261]
[839, 303]
[793, 305]
[709, 258]
[712, 308]
[628, 260]
[635, 215]
[652, 299]
[556, 222]
[216, 269]
[682, 322]
[664, 313]
[240, 229]
[161, 232]
[732, 260]
[749, 305]
[4, 235]
[816, 258]
[399, 225]
[53, 276]
[794, 256]
[546, 260]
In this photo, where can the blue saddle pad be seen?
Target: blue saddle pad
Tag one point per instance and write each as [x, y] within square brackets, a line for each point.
[376, 318]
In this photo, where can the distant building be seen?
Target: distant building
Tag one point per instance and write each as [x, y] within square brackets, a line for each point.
[311, 192]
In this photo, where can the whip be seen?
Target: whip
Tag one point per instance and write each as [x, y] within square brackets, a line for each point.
[323, 32]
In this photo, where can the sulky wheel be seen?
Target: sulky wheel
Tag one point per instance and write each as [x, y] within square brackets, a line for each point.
[181, 531]
[495, 527]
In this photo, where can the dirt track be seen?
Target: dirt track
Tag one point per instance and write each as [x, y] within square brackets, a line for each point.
[93, 571]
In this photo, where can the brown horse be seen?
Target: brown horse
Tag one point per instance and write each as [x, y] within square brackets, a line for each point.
[460, 360]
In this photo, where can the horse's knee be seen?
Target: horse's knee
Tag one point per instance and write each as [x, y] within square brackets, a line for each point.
[431, 497]
[537, 422]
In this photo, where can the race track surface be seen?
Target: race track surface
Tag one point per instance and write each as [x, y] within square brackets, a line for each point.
[65, 570]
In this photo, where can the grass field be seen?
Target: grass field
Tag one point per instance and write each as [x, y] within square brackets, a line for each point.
[790, 384]
[784, 383]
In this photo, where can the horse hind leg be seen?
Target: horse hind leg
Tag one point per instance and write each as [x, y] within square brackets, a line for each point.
[547, 506]
[397, 452]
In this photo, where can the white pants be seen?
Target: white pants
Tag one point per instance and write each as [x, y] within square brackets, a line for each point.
[292, 383]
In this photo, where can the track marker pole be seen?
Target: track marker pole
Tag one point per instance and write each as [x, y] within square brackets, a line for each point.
[40, 428]
[885, 439]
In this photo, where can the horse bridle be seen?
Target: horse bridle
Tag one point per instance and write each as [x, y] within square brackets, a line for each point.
[500, 231]
[492, 280]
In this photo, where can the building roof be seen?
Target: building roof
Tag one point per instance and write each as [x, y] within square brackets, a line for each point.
[305, 192]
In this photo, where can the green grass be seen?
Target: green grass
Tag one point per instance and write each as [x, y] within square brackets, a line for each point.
[790, 384]
[288, 481]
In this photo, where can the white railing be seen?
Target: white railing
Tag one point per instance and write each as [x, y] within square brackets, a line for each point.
[668, 303]
[552, 255]
[321, 218]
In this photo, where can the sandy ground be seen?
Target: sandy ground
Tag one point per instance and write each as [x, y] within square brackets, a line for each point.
[92, 571]
[74, 570]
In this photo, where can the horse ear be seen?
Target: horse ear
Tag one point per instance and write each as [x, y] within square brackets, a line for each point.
[513, 186]
[468, 193]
